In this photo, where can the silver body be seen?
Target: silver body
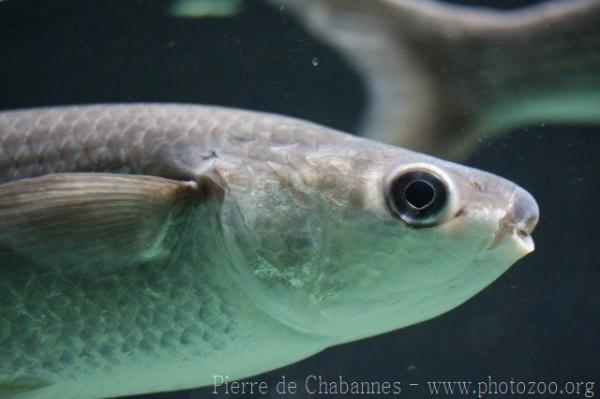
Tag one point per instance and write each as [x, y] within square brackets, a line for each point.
[298, 251]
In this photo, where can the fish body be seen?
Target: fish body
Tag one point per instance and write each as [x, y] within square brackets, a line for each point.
[150, 247]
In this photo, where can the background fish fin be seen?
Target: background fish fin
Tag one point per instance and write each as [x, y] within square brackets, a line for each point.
[441, 77]
[205, 8]
[87, 219]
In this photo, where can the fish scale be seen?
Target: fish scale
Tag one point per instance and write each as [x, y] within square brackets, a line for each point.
[139, 137]
[107, 329]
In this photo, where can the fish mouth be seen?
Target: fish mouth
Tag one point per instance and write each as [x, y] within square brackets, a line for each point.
[524, 242]
[519, 222]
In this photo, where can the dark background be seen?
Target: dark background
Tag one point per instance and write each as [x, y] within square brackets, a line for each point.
[539, 322]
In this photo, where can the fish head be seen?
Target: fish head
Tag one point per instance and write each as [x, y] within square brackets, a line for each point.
[357, 241]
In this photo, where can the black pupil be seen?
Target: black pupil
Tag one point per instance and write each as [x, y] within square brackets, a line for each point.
[417, 197]
[419, 194]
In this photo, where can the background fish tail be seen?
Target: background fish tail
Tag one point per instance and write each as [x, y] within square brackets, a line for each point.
[530, 66]
[441, 77]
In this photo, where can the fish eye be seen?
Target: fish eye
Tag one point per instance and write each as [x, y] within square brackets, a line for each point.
[418, 197]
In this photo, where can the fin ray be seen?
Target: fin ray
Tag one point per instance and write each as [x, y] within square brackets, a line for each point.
[76, 219]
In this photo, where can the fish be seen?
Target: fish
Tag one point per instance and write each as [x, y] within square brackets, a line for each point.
[443, 78]
[151, 247]
[205, 8]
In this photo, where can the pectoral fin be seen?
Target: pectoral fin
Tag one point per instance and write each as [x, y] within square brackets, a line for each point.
[90, 219]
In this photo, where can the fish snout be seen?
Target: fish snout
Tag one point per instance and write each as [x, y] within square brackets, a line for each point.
[518, 222]
[523, 213]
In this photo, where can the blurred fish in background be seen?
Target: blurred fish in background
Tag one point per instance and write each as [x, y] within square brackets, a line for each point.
[441, 76]
[205, 8]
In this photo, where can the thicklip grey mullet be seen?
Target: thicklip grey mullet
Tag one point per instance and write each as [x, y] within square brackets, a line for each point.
[148, 247]
[442, 77]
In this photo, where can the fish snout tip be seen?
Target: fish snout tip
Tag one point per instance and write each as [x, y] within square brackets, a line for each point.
[524, 212]
[518, 222]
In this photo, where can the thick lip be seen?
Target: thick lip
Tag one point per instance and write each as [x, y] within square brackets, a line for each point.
[518, 222]
[524, 242]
